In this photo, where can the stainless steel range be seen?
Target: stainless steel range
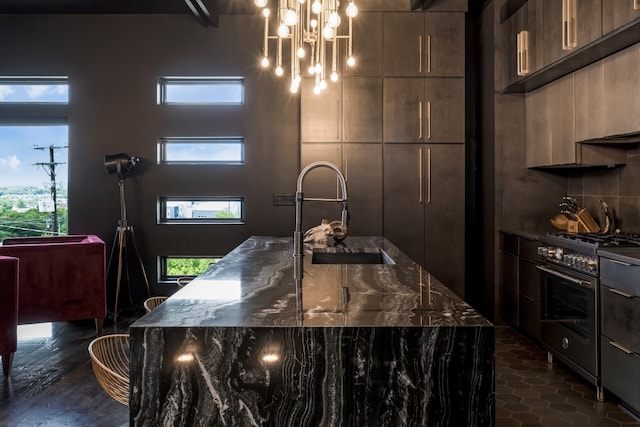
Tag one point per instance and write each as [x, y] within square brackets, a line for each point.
[570, 281]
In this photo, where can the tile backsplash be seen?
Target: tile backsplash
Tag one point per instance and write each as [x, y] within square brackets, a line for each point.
[618, 187]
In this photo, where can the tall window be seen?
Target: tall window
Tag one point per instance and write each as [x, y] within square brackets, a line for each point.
[33, 156]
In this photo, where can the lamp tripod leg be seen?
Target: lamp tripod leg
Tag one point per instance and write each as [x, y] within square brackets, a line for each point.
[121, 243]
[139, 258]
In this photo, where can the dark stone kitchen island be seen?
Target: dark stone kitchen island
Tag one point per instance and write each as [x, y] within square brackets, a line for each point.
[357, 345]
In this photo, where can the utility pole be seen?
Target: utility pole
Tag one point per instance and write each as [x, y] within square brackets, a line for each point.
[50, 168]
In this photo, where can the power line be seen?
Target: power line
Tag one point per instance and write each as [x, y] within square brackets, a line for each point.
[50, 169]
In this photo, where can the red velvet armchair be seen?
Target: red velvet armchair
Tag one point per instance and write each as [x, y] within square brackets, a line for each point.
[9, 310]
[61, 278]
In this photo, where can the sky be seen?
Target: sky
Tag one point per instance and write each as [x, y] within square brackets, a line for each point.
[17, 152]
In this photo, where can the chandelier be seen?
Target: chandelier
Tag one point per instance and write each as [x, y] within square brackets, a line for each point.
[311, 28]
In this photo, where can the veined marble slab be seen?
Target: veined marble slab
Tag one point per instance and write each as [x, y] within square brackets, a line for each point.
[364, 344]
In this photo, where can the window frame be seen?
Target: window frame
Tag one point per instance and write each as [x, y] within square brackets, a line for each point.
[163, 141]
[36, 81]
[162, 210]
[163, 82]
[165, 278]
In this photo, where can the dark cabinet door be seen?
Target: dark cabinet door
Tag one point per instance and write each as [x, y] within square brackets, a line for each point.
[568, 25]
[403, 44]
[404, 106]
[621, 105]
[362, 167]
[367, 46]
[444, 214]
[424, 110]
[444, 110]
[444, 48]
[616, 13]
[320, 115]
[404, 180]
[362, 109]
[529, 298]
[509, 282]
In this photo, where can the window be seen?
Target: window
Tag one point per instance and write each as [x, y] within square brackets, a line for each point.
[201, 151]
[173, 267]
[34, 90]
[181, 210]
[33, 156]
[201, 90]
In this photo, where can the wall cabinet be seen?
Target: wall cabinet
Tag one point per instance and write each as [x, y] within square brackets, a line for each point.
[616, 13]
[520, 43]
[569, 25]
[621, 105]
[552, 113]
[424, 110]
[423, 44]
[424, 207]
[349, 111]
[361, 165]
[589, 98]
[550, 124]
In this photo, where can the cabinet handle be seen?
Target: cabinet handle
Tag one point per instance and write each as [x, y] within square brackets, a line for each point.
[626, 264]
[420, 120]
[621, 293]
[518, 53]
[523, 53]
[636, 4]
[347, 131]
[338, 121]
[620, 347]
[569, 29]
[419, 54]
[420, 190]
[428, 175]
[428, 119]
[428, 53]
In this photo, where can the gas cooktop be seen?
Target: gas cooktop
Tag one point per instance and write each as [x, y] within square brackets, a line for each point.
[597, 240]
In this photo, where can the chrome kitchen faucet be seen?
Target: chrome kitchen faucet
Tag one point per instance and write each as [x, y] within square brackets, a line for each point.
[297, 235]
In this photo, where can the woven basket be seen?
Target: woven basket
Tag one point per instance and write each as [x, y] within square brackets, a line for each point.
[110, 360]
[153, 302]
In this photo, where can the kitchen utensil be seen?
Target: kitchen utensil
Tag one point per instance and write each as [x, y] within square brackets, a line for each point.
[560, 222]
[609, 224]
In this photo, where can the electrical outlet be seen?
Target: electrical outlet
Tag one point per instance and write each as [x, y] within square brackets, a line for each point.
[283, 200]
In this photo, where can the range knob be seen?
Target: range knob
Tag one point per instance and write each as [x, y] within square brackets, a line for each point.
[558, 252]
[592, 265]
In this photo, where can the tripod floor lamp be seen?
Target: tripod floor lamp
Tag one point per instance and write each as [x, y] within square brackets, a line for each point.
[121, 164]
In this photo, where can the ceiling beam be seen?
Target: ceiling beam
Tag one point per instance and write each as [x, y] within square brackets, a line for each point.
[200, 11]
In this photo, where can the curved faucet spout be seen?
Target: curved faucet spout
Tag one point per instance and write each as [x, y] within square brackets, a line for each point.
[297, 235]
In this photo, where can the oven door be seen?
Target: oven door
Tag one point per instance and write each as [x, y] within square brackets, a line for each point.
[569, 318]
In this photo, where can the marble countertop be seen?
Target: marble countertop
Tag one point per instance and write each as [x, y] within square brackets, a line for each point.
[254, 286]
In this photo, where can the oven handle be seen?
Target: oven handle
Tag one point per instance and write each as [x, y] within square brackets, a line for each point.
[583, 283]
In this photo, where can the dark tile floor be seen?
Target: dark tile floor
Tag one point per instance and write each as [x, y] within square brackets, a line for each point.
[531, 392]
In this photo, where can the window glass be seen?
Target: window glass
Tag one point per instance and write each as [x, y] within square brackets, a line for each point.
[33, 91]
[201, 210]
[33, 180]
[173, 267]
[201, 150]
[202, 91]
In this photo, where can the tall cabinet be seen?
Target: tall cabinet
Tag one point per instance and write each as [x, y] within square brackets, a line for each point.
[424, 135]
[396, 129]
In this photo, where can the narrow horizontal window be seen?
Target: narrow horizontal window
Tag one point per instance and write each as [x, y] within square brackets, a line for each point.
[34, 90]
[201, 151]
[223, 91]
[174, 267]
[220, 210]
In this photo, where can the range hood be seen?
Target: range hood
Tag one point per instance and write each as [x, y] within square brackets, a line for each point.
[623, 138]
[593, 155]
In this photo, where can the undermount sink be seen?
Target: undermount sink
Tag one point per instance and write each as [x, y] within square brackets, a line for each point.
[345, 255]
